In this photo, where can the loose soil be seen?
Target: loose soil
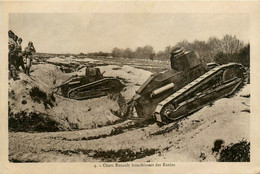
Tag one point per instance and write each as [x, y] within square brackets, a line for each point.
[46, 127]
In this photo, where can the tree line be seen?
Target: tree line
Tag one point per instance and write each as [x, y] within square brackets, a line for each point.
[145, 52]
[227, 49]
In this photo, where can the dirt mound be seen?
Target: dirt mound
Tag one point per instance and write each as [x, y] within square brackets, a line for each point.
[29, 103]
[48, 75]
[32, 98]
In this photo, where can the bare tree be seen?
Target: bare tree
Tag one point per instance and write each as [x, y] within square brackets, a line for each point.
[116, 52]
[145, 52]
[128, 53]
[215, 46]
[185, 44]
[231, 45]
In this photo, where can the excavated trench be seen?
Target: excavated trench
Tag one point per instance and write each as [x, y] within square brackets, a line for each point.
[88, 131]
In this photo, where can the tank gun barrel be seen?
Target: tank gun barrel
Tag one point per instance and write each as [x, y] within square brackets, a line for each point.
[162, 89]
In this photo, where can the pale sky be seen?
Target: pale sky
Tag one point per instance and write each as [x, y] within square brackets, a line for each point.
[76, 33]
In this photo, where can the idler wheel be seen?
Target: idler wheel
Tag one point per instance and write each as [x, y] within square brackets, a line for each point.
[73, 94]
[231, 73]
[168, 109]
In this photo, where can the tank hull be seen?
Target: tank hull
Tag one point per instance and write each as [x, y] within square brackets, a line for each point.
[83, 87]
[222, 81]
[147, 102]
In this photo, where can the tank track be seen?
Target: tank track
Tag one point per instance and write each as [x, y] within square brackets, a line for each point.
[200, 92]
[95, 89]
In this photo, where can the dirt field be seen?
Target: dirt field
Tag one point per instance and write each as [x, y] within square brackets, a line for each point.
[51, 128]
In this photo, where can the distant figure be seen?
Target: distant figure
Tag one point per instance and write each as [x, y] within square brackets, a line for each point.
[16, 51]
[20, 40]
[12, 54]
[28, 52]
[20, 61]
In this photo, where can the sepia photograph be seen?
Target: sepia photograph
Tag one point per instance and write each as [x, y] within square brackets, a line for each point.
[129, 89]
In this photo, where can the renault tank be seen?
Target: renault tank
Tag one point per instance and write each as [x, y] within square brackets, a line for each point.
[91, 85]
[189, 85]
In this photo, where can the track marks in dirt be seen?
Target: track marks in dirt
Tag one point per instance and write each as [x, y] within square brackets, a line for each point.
[131, 125]
[166, 129]
[121, 155]
[124, 155]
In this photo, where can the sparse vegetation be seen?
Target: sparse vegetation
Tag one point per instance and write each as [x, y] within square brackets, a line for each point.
[217, 146]
[39, 96]
[38, 122]
[238, 152]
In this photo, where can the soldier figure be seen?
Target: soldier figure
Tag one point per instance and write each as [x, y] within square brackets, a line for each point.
[28, 52]
[12, 55]
[20, 61]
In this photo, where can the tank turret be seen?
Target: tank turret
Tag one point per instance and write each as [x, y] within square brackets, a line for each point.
[182, 60]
